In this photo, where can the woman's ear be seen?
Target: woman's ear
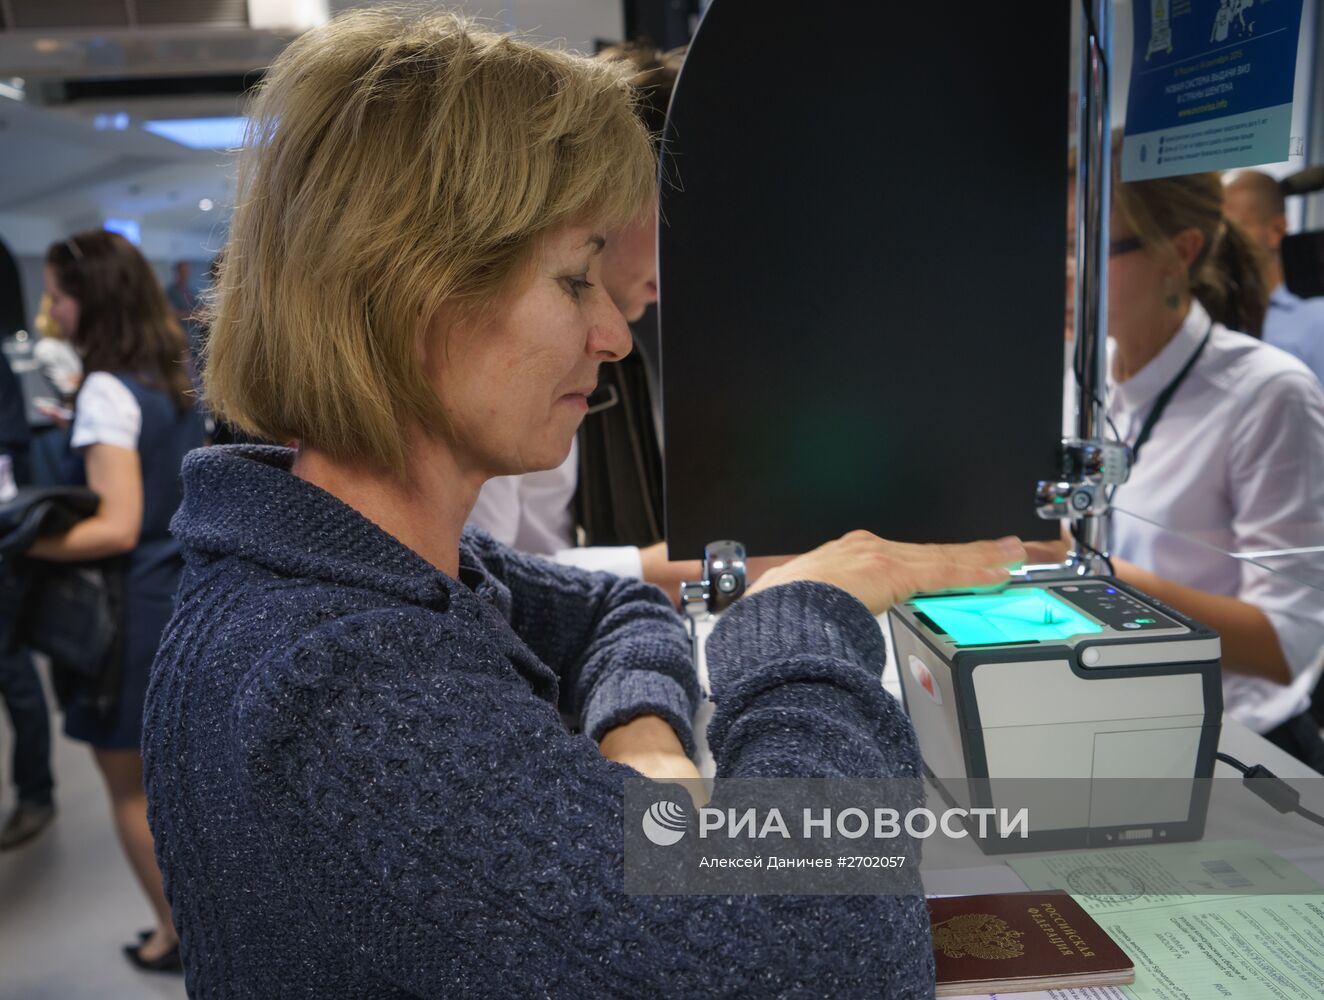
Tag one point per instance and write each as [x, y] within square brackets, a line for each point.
[1188, 243]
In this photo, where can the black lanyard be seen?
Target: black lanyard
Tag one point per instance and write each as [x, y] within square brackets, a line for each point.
[1165, 397]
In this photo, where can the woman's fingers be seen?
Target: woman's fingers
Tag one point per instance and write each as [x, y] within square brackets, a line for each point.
[880, 573]
[1008, 551]
[938, 576]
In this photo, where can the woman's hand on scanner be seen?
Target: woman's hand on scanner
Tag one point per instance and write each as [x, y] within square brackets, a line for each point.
[880, 573]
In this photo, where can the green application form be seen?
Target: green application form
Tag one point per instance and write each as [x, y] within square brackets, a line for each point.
[1201, 921]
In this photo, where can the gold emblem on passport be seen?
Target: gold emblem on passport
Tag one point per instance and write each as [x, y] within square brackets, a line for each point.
[980, 935]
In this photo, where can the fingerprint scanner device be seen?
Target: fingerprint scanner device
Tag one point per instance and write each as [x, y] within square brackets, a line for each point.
[1080, 686]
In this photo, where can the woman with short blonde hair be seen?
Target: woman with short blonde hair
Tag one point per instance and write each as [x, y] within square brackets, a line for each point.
[389, 152]
[359, 765]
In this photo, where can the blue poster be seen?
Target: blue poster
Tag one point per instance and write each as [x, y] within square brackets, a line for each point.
[1211, 85]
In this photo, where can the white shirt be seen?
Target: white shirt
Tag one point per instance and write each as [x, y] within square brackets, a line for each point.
[531, 513]
[106, 413]
[1236, 462]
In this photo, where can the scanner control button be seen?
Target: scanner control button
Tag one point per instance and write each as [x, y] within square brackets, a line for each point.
[1090, 657]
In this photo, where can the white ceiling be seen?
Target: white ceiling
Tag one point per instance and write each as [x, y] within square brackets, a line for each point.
[59, 169]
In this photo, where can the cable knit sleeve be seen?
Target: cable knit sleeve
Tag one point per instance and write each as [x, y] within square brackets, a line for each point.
[617, 645]
[800, 667]
[443, 828]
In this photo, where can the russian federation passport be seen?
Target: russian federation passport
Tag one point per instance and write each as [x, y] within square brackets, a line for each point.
[1022, 941]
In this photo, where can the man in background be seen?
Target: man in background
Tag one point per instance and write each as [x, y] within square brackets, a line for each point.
[180, 294]
[601, 509]
[608, 492]
[1254, 201]
[184, 301]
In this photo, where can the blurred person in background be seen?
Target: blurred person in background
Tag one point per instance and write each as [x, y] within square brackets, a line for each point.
[182, 298]
[59, 361]
[134, 420]
[20, 687]
[62, 372]
[1228, 434]
[609, 488]
[536, 512]
[1254, 201]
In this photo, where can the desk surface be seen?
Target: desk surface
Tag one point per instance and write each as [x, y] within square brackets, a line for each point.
[965, 869]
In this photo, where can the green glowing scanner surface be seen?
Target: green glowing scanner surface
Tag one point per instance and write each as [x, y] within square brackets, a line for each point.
[1023, 614]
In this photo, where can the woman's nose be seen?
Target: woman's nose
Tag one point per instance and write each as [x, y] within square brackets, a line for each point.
[609, 337]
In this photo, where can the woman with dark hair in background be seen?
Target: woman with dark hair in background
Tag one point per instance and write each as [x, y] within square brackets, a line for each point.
[1229, 441]
[134, 420]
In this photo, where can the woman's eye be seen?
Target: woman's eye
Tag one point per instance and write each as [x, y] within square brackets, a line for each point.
[576, 284]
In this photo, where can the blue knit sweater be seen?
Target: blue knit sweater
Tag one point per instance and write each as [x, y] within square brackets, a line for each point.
[361, 785]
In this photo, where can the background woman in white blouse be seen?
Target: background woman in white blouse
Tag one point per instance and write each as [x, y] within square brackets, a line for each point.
[1231, 450]
[134, 419]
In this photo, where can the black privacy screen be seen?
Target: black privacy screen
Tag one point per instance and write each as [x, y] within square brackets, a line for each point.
[1303, 263]
[862, 273]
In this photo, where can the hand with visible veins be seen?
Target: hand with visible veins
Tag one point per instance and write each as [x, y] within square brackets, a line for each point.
[881, 573]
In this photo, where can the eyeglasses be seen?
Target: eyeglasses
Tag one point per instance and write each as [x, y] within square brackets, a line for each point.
[1129, 245]
[1115, 249]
